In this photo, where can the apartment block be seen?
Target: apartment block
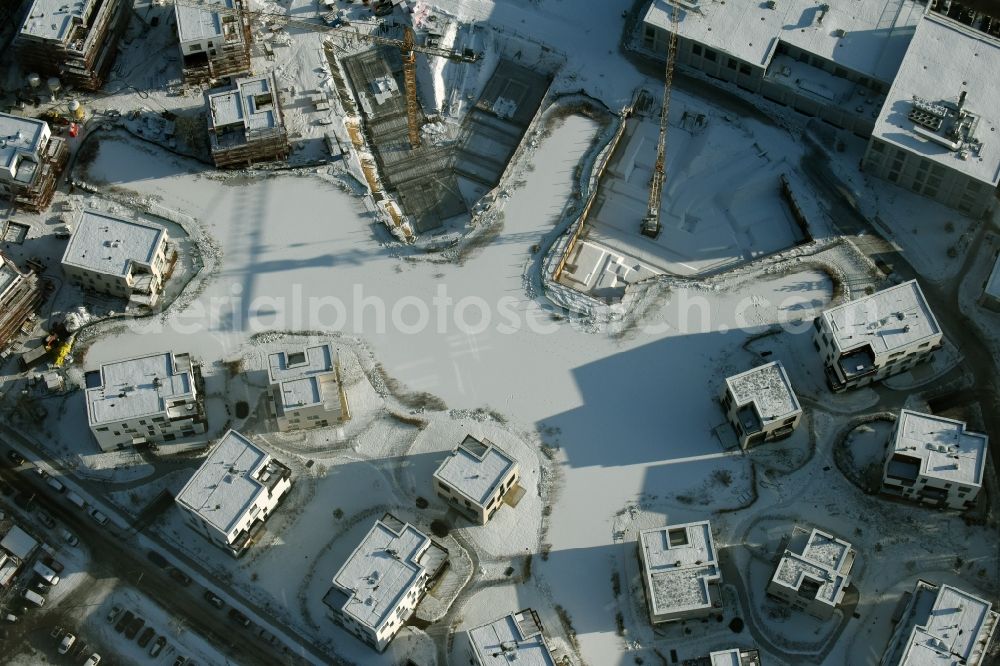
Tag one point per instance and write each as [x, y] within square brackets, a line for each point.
[214, 39]
[942, 624]
[74, 41]
[476, 477]
[732, 657]
[936, 134]
[876, 336]
[305, 389]
[813, 573]
[516, 638]
[934, 460]
[761, 405]
[148, 400]
[20, 296]
[31, 160]
[245, 123]
[380, 584]
[236, 489]
[680, 571]
[118, 257]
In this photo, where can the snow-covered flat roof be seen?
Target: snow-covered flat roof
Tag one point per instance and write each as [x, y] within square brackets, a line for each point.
[109, 245]
[887, 320]
[945, 449]
[200, 23]
[475, 468]
[18, 136]
[680, 561]
[734, 657]
[384, 567]
[18, 543]
[227, 484]
[138, 387]
[768, 388]
[301, 375]
[954, 629]
[515, 638]
[945, 59]
[55, 19]
[251, 103]
[823, 559]
[867, 37]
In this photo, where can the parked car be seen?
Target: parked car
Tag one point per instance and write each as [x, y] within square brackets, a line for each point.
[46, 574]
[66, 643]
[11, 617]
[98, 517]
[52, 563]
[157, 559]
[214, 599]
[93, 660]
[147, 635]
[75, 500]
[45, 519]
[70, 538]
[157, 647]
[124, 621]
[34, 598]
[16, 458]
[133, 627]
[239, 617]
[179, 661]
[180, 576]
[114, 613]
[55, 484]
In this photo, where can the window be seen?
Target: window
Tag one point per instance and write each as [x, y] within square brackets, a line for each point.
[838, 71]
[104, 429]
[731, 63]
[878, 147]
[745, 69]
[710, 55]
[696, 49]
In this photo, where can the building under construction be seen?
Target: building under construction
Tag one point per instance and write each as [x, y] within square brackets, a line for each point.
[215, 42]
[245, 123]
[20, 296]
[31, 160]
[75, 41]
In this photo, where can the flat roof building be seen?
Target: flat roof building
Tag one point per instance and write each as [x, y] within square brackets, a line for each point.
[380, 584]
[305, 388]
[232, 494]
[937, 133]
[934, 460]
[20, 296]
[732, 657]
[942, 625]
[761, 405]
[214, 39]
[74, 41]
[680, 571]
[813, 573]
[476, 477]
[31, 160]
[119, 257]
[875, 336]
[146, 400]
[245, 124]
[515, 638]
[991, 289]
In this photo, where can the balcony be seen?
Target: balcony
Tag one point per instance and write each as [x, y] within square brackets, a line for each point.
[857, 364]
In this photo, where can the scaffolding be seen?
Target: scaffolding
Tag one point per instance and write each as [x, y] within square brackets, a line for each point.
[247, 125]
[37, 195]
[230, 59]
[20, 296]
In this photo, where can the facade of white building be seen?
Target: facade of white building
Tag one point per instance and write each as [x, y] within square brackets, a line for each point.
[935, 461]
[991, 289]
[236, 489]
[680, 571]
[380, 584]
[937, 133]
[813, 573]
[513, 639]
[475, 478]
[119, 257]
[146, 400]
[305, 389]
[942, 625]
[214, 39]
[761, 405]
[30, 161]
[876, 336]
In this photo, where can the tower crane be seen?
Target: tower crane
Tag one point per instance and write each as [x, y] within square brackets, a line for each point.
[407, 50]
[651, 223]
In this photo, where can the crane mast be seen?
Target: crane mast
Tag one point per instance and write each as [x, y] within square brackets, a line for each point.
[651, 223]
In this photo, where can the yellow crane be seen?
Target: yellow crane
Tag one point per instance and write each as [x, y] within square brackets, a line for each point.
[651, 223]
[408, 48]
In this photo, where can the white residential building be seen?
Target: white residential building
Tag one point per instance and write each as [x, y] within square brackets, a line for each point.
[30, 161]
[761, 405]
[305, 389]
[379, 586]
[680, 571]
[516, 638]
[813, 573]
[119, 257]
[876, 336]
[245, 123]
[145, 400]
[934, 460]
[214, 39]
[991, 289]
[233, 493]
[942, 625]
[834, 60]
[476, 477]
[732, 657]
[937, 133]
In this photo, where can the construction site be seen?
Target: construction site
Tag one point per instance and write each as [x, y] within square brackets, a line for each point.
[214, 44]
[245, 123]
